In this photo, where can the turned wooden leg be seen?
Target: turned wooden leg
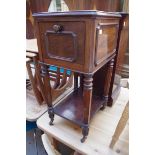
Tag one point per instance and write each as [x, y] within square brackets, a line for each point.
[87, 100]
[51, 115]
[47, 89]
[108, 82]
[121, 24]
[85, 131]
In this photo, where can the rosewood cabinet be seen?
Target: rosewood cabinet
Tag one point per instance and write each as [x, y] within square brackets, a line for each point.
[83, 42]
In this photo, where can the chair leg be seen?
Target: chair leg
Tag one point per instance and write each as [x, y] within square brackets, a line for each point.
[121, 125]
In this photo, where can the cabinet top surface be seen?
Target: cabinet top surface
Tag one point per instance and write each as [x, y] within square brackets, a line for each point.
[90, 13]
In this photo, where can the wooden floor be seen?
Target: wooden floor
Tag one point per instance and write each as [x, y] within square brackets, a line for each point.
[102, 129]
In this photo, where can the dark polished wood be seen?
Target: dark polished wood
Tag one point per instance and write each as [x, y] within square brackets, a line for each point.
[123, 56]
[73, 46]
[85, 42]
[121, 22]
[39, 5]
[72, 107]
[53, 83]
[29, 22]
[108, 78]
[33, 6]
[88, 103]
[49, 80]
[33, 60]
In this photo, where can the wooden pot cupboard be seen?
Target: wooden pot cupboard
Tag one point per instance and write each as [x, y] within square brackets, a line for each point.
[85, 44]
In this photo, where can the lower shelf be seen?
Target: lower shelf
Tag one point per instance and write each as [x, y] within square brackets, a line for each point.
[72, 108]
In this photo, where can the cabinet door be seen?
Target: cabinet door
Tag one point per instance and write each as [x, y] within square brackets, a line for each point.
[106, 40]
[63, 41]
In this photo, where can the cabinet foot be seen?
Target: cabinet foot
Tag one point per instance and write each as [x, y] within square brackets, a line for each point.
[105, 101]
[102, 108]
[85, 131]
[110, 102]
[51, 115]
[83, 139]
